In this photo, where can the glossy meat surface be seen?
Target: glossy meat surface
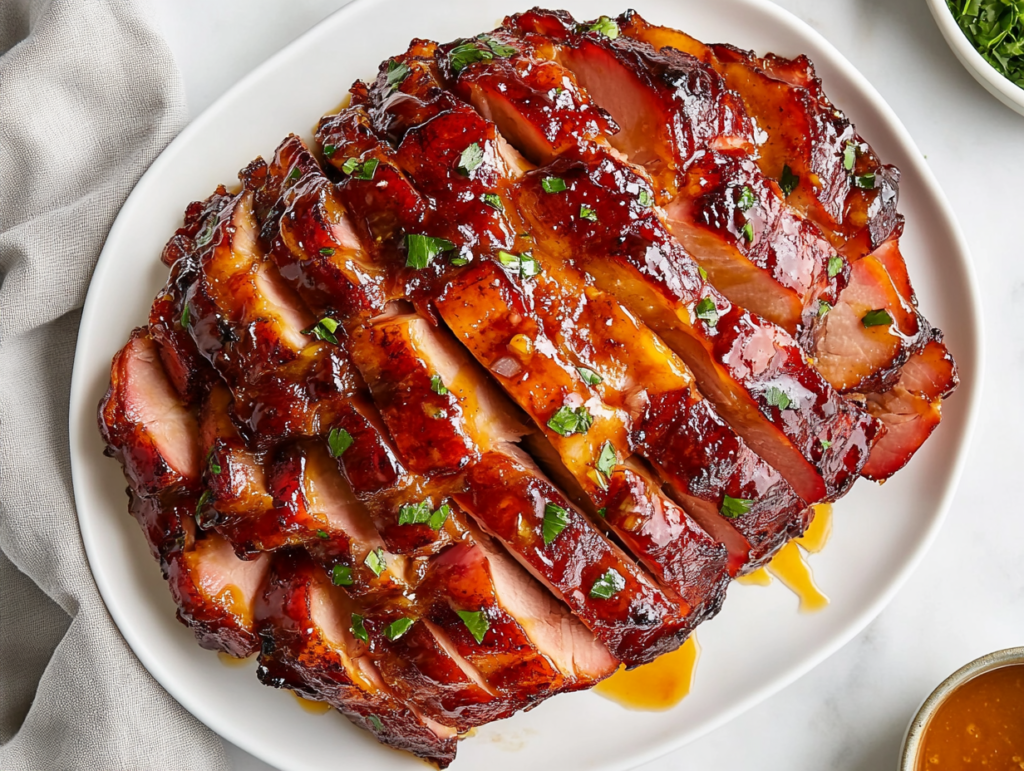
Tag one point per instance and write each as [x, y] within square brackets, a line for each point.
[493, 388]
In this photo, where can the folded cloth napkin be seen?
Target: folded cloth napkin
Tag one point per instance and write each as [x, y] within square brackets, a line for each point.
[89, 95]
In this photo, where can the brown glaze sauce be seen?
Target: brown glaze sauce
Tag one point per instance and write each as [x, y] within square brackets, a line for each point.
[979, 725]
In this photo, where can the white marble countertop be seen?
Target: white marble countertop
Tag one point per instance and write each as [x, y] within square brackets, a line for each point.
[967, 597]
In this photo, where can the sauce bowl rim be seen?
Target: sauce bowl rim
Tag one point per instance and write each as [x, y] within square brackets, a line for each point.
[916, 729]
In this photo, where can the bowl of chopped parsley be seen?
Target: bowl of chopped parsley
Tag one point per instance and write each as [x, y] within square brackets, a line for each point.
[987, 37]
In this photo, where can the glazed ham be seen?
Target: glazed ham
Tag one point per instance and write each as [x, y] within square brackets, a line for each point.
[493, 388]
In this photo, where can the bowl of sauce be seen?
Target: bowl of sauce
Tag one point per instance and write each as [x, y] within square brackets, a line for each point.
[973, 720]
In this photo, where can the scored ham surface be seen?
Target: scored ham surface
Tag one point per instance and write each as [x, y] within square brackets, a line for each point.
[494, 388]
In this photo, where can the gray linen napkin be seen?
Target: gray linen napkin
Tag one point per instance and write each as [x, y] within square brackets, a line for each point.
[89, 95]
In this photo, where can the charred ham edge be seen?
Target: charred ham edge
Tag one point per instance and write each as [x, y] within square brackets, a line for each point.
[911, 410]
[501, 90]
[305, 625]
[429, 151]
[707, 213]
[148, 427]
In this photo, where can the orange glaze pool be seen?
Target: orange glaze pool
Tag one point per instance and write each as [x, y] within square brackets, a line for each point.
[979, 725]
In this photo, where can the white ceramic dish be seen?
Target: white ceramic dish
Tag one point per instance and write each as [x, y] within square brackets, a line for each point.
[758, 644]
[1005, 91]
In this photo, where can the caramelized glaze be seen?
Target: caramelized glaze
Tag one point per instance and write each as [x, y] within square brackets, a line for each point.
[657, 686]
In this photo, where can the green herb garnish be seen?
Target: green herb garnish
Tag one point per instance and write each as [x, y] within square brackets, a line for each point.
[339, 440]
[748, 231]
[865, 181]
[776, 397]
[397, 628]
[707, 311]
[568, 421]
[849, 155]
[186, 316]
[825, 444]
[603, 26]
[788, 181]
[734, 508]
[494, 201]
[322, 535]
[606, 460]
[361, 169]
[553, 185]
[589, 377]
[324, 330]
[645, 198]
[341, 575]
[327, 251]
[439, 517]
[329, 150]
[358, 629]
[470, 159]
[375, 561]
[437, 386]
[608, 585]
[376, 722]
[996, 30]
[524, 264]
[746, 199]
[422, 249]
[835, 265]
[476, 622]
[397, 72]
[415, 513]
[555, 520]
[877, 318]
[823, 307]
[586, 213]
[466, 54]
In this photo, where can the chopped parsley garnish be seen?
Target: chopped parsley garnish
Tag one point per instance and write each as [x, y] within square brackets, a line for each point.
[212, 464]
[748, 231]
[602, 512]
[437, 386]
[707, 312]
[476, 622]
[776, 397]
[203, 500]
[339, 440]
[494, 201]
[397, 72]
[524, 264]
[459, 261]
[358, 629]
[553, 185]
[469, 53]
[877, 318]
[327, 251]
[296, 173]
[186, 316]
[422, 249]
[865, 181]
[788, 181]
[835, 265]
[322, 535]
[376, 722]
[734, 508]
[341, 575]
[470, 159]
[439, 517]
[324, 330]
[849, 155]
[589, 377]
[746, 199]
[608, 585]
[375, 561]
[823, 307]
[586, 213]
[361, 169]
[397, 628]
[703, 273]
[329, 150]
[206, 236]
[555, 520]
[996, 30]
[603, 26]
[568, 421]
[645, 198]
[606, 460]
[415, 513]
[825, 444]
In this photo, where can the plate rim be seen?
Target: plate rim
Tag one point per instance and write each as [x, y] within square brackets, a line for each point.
[974, 359]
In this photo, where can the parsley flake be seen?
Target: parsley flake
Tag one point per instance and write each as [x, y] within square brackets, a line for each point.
[707, 312]
[415, 513]
[877, 318]
[376, 722]
[776, 397]
[849, 155]
[524, 264]
[734, 508]
[361, 169]
[788, 181]
[439, 517]
[358, 628]
[341, 575]
[322, 535]
[825, 444]
[186, 317]
[606, 460]
[645, 198]
[397, 628]
[589, 377]
[608, 585]
[555, 521]
[568, 421]
[324, 330]
[397, 73]
[586, 213]
[472, 157]
[422, 249]
[747, 198]
[466, 54]
[865, 181]
[835, 265]
[339, 440]
[494, 201]
[437, 386]
[476, 622]
[327, 251]
[553, 185]
[823, 307]
[748, 231]
[375, 561]
[604, 26]
[206, 236]
[329, 150]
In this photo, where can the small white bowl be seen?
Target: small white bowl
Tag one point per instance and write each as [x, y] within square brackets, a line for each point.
[915, 732]
[1005, 91]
